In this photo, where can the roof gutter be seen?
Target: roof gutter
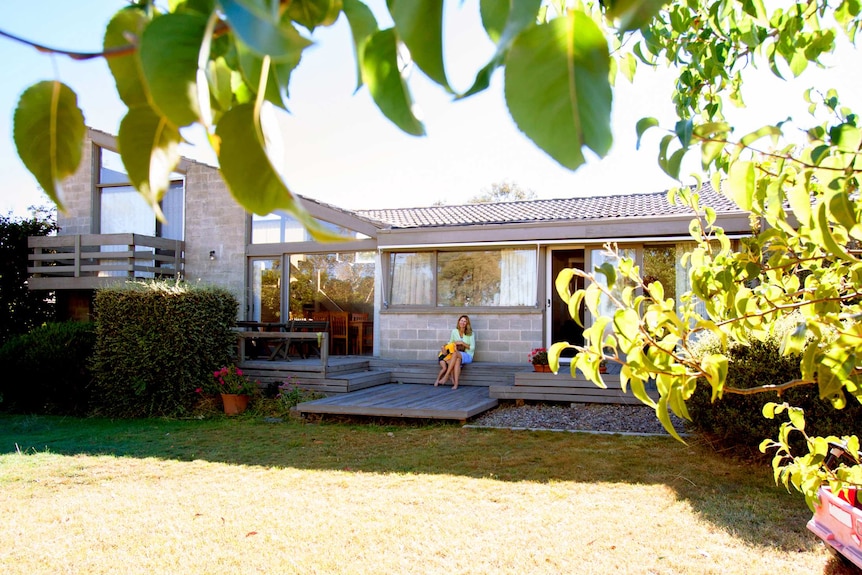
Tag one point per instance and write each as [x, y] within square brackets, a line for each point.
[539, 243]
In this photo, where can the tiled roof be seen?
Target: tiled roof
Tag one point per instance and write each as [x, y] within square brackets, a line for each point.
[583, 209]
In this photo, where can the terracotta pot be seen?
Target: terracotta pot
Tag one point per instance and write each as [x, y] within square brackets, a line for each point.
[234, 404]
[542, 367]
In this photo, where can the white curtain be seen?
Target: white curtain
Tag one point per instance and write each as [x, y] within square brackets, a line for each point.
[412, 279]
[518, 277]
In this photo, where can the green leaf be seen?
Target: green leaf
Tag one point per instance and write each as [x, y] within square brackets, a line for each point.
[362, 26]
[48, 130]
[126, 68]
[169, 52]
[642, 126]
[842, 209]
[661, 410]
[741, 180]
[149, 146]
[563, 283]
[419, 24]
[764, 132]
[846, 137]
[381, 74]
[313, 13]
[521, 16]
[627, 325]
[628, 66]
[797, 418]
[633, 14]
[557, 87]
[495, 14]
[250, 176]
[829, 242]
[262, 32]
[251, 65]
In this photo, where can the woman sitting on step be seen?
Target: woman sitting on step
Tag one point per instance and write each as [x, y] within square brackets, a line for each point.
[465, 344]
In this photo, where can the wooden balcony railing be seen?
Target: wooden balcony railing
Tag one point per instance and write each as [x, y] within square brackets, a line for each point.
[90, 261]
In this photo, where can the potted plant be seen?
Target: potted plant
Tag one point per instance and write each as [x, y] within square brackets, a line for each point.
[234, 387]
[539, 358]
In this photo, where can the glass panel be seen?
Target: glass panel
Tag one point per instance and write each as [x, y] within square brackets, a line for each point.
[266, 291]
[279, 227]
[599, 256]
[412, 279]
[486, 278]
[112, 170]
[518, 277]
[124, 210]
[683, 281]
[660, 264]
[331, 282]
[173, 206]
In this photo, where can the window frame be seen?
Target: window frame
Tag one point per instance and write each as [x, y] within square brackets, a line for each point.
[388, 274]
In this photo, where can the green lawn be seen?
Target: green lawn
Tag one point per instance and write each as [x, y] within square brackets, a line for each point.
[227, 496]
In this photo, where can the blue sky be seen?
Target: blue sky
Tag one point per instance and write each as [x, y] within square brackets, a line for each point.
[337, 147]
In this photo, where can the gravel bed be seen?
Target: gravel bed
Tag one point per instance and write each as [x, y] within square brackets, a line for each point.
[578, 417]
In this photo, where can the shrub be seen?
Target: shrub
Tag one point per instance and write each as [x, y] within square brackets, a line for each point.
[737, 421]
[158, 342]
[47, 370]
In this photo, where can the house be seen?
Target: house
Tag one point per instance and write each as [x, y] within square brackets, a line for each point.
[411, 272]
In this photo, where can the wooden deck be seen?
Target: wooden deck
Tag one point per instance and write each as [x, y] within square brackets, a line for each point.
[406, 401]
[370, 386]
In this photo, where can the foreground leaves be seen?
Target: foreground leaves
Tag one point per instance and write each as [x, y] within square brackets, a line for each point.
[48, 130]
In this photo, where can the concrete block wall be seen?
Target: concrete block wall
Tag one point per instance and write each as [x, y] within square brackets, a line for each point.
[214, 222]
[77, 196]
[501, 338]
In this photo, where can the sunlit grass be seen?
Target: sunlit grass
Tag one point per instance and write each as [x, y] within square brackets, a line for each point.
[228, 496]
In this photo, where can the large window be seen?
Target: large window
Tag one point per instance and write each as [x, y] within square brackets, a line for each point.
[265, 301]
[498, 277]
[123, 210]
[280, 227]
[331, 282]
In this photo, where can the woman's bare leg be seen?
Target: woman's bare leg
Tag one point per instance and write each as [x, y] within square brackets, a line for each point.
[450, 363]
[456, 369]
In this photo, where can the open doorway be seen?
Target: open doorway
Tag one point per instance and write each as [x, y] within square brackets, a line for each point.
[561, 326]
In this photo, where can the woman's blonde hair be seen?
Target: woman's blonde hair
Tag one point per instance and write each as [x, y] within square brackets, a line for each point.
[467, 330]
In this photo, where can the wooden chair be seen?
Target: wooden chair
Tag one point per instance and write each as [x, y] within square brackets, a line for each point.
[361, 333]
[338, 332]
[320, 315]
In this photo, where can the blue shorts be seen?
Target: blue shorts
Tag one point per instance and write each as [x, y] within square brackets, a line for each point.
[465, 358]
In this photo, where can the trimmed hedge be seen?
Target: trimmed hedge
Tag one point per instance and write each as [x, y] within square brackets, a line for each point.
[47, 370]
[156, 343]
[737, 420]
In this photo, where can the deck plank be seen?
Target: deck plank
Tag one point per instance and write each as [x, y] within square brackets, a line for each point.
[405, 400]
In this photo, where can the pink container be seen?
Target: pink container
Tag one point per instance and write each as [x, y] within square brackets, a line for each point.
[839, 524]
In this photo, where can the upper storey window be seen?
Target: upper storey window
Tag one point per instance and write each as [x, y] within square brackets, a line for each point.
[123, 210]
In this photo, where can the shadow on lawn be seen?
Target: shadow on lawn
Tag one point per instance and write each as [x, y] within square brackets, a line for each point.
[734, 495]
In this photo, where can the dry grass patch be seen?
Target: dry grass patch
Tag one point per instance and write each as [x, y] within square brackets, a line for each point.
[241, 496]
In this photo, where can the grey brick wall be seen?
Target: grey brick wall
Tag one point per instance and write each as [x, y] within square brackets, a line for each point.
[214, 222]
[77, 196]
[505, 338]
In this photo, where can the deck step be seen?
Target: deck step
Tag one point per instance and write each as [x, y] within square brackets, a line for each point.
[474, 374]
[405, 401]
[562, 386]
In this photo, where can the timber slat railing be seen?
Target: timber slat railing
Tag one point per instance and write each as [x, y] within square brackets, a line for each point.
[88, 261]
